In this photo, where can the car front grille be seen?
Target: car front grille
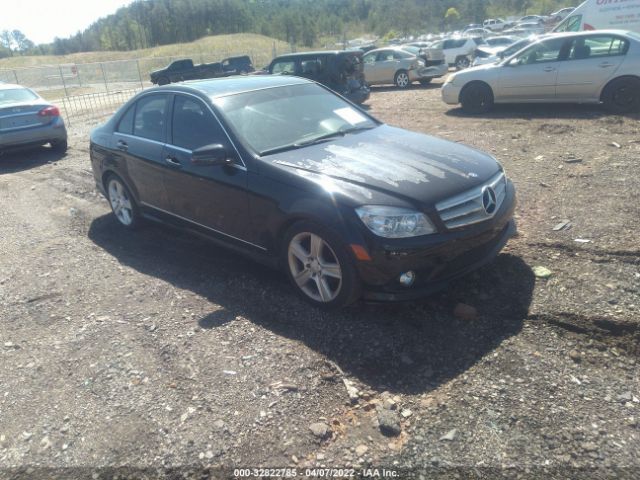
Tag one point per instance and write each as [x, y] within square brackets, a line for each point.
[470, 207]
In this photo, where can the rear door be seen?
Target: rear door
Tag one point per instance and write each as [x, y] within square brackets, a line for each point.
[213, 197]
[532, 75]
[140, 141]
[592, 61]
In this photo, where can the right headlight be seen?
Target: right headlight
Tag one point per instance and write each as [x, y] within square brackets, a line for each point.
[395, 222]
[450, 78]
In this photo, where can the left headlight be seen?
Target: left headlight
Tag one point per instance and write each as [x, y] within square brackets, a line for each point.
[395, 222]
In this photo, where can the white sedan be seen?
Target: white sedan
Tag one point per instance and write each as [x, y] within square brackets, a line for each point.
[587, 67]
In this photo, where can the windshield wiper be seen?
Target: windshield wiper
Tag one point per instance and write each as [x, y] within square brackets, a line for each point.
[319, 139]
[338, 133]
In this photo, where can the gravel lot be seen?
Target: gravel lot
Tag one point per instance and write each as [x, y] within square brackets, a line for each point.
[158, 350]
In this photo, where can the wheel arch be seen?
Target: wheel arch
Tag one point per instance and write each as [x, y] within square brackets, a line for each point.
[474, 82]
[112, 173]
[604, 87]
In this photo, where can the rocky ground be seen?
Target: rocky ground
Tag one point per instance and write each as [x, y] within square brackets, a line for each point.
[155, 349]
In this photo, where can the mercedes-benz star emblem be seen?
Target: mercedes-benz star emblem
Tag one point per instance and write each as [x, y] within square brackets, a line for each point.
[489, 200]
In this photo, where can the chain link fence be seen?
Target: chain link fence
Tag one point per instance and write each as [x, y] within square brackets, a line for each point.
[89, 91]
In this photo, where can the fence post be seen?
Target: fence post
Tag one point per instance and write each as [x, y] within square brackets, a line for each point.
[78, 75]
[66, 110]
[104, 77]
[64, 85]
[15, 75]
[139, 73]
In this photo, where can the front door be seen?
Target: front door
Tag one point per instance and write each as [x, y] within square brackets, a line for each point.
[532, 75]
[213, 197]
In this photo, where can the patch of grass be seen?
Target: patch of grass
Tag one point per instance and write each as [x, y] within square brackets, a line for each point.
[206, 49]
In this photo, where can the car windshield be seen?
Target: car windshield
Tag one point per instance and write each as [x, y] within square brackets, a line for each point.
[16, 95]
[288, 117]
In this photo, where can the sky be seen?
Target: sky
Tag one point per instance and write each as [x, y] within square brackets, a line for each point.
[42, 20]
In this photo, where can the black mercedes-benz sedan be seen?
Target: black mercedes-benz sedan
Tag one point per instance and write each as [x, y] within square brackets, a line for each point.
[286, 171]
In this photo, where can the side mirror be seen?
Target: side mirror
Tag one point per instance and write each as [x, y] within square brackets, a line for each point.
[214, 154]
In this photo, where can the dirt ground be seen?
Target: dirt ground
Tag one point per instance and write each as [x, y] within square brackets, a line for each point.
[156, 350]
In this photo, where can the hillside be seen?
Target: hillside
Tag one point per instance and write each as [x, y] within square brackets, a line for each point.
[216, 46]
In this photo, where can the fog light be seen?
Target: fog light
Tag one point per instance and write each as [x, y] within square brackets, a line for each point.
[407, 278]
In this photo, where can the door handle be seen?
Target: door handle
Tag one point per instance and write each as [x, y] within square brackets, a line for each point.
[605, 65]
[549, 69]
[173, 161]
[122, 145]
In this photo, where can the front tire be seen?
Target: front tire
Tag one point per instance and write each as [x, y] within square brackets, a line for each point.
[622, 95]
[401, 79]
[122, 203]
[319, 266]
[476, 98]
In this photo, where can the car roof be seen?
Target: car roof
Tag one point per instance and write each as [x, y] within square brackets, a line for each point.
[315, 53]
[10, 86]
[220, 87]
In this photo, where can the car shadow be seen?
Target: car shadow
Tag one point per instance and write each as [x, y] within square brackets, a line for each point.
[405, 348]
[13, 161]
[542, 111]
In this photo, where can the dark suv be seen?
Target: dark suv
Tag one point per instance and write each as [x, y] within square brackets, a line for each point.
[341, 71]
[240, 65]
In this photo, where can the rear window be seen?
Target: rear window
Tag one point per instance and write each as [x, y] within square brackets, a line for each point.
[15, 95]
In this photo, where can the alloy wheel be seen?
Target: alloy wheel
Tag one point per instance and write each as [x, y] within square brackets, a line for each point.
[402, 80]
[120, 202]
[314, 267]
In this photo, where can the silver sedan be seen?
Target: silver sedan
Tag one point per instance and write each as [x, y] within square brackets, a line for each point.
[26, 119]
[587, 67]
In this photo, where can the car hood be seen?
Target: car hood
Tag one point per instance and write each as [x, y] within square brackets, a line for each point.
[414, 167]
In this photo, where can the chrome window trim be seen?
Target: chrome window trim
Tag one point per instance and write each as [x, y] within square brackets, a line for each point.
[178, 92]
[201, 225]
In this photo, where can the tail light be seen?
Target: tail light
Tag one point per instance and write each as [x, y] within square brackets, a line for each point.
[51, 111]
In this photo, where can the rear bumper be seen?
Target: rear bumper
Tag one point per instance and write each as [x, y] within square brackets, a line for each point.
[436, 259]
[39, 135]
[434, 71]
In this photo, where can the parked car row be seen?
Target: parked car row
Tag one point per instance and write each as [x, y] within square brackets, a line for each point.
[184, 69]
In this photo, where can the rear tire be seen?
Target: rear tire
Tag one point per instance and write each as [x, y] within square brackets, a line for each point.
[401, 79]
[476, 98]
[320, 266]
[462, 62]
[60, 146]
[163, 81]
[622, 95]
[122, 204]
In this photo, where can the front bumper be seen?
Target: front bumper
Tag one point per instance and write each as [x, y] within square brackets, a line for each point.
[359, 95]
[434, 71]
[436, 259]
[38, 135]
[450, 94]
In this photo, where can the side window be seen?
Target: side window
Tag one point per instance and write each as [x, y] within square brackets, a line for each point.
[150, 117]
[548, 51]
[369, 59]
[447, 44]
[193, 125]
[597, 46]
[384, 56]
[125, 125]
[284, 68]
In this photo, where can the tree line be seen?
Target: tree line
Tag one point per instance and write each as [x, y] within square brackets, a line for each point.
[148, 23]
